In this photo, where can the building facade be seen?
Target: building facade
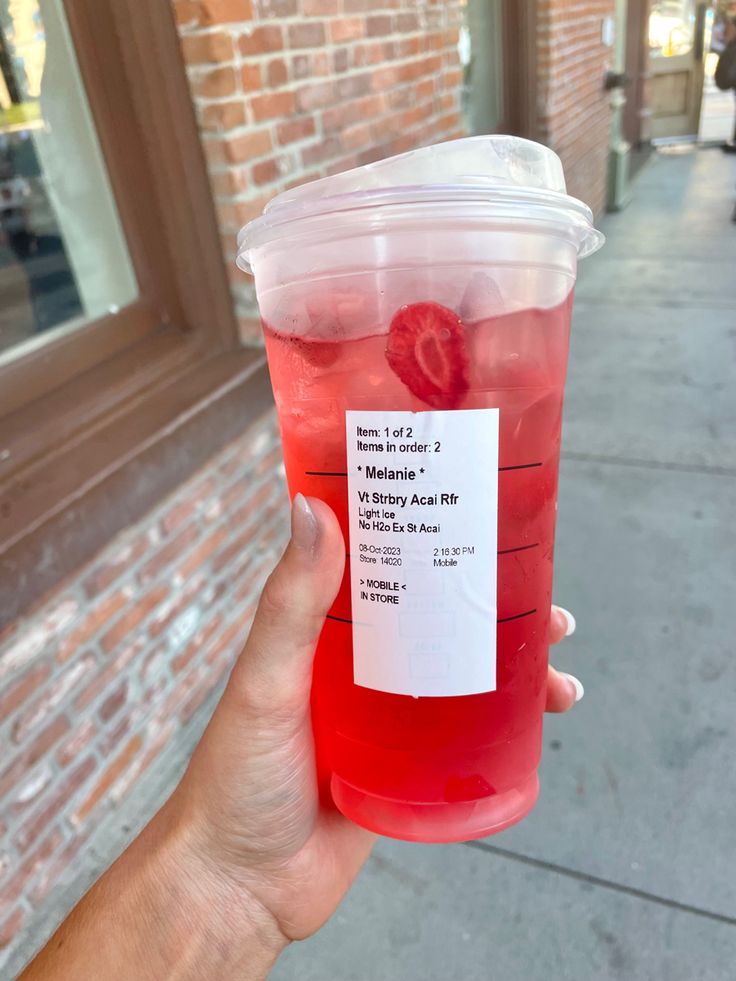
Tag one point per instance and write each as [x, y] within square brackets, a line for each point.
[143, 500]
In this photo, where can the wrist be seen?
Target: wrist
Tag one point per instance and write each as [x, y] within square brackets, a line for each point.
[212, 917]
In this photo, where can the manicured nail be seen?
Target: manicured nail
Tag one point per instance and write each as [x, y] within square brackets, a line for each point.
[304, 526]
[577, 685]
[569, 620]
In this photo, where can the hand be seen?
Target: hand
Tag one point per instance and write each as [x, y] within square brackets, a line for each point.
[243, 857]
[250, 790]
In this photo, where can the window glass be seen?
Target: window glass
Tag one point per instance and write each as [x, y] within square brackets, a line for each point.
[63, 256]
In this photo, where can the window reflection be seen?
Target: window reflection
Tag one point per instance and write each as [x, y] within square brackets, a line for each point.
[63, 257]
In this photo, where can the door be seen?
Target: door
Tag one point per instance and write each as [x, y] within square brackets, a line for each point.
[676, 65]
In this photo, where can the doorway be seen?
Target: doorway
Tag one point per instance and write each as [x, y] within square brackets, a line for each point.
[676, 67]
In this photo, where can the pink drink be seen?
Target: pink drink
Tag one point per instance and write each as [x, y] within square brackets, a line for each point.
[375, 332]
[438, 750]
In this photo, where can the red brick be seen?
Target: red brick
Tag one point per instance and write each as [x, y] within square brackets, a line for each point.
[276, 8]
[79, 740]
[12, 774]
[242, 519]
[197, 644]
[35, 826]
[215, 84]
[321, 64]
[341, 164]
[261, 40]
[182, 599]
[378, 25]
[226, 184]
[105, 678]
[188, 504]
[351, 6]
[116, 563]
[251, 78]
[114, 702]
[367, 54]
[295, 129]
[407, 22]
[132, 619]
[30, 642]
[301, 66]
[226, 11]
[223, 116]
[331, 146]
[356, 136]
[52, 872]
[202, 49]
[57, 692]
[409, 46]
[319, 94]
[15, 695]
[352, 86]
[272, 105]
[320, 8]
[187, 12]
[168, 554]
[10, 927]
[273, 459]
[347, 29]
[277, 72]
[108, 778]
[31, 787]
[308, 34]
[246, 147]
[111, 740]
[22, 878]
[265, 172]
[98, 616]
[341, 59]
[202, 552]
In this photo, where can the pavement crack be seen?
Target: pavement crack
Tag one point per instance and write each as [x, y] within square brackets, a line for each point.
[594, 880]
[671, 465]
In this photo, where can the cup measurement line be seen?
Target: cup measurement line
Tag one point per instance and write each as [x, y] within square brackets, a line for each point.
[519, 548]
[343, 473]
[516, 616]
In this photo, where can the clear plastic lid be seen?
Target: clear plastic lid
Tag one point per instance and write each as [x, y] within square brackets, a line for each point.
[503, 176]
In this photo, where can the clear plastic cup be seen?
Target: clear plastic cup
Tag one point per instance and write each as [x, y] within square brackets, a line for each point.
[416, 316]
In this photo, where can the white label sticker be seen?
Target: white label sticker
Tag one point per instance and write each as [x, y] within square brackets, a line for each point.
[423, 510]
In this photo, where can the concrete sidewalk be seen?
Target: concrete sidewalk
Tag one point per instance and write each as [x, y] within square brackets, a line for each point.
[626, 868]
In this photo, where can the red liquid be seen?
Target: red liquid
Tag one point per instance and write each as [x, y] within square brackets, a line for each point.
[455, 750]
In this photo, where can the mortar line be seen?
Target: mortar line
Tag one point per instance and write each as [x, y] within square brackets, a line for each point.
[594, 880]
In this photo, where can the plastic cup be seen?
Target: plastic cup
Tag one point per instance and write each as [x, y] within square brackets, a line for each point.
[416, 315]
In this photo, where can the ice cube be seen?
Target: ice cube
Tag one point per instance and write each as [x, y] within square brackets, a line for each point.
[482, 299]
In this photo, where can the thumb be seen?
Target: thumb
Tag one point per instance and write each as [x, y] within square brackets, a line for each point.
[273, 674]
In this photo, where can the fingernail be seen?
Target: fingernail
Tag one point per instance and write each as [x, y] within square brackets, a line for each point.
[304, 526]
[577, 685]
[569, 620]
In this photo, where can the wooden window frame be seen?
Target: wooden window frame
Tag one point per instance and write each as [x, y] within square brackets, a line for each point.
[98, 424]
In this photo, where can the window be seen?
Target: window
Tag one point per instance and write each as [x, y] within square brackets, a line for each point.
[120, 366]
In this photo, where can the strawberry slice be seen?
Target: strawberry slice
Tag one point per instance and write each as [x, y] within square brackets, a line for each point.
[320, 354]
[426, 349]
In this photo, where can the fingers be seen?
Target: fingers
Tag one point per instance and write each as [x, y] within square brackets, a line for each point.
[561, 624]
[563, 690]
[273, 674]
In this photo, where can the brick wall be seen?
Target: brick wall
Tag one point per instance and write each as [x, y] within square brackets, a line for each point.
[98, 678]
[574, 115]
[291, 90]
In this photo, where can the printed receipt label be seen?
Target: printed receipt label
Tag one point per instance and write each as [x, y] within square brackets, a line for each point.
[423, 516]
